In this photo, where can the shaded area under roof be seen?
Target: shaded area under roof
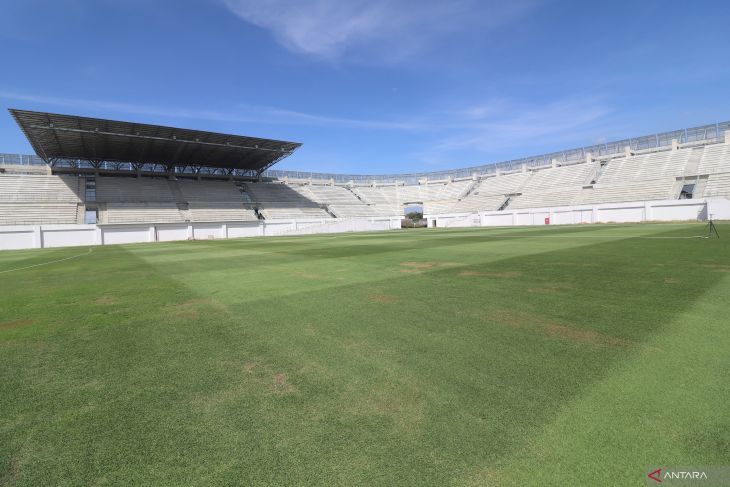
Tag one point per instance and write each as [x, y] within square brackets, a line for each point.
[57, 137]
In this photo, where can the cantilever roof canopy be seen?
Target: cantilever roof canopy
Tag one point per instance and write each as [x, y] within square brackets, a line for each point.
[56, 137]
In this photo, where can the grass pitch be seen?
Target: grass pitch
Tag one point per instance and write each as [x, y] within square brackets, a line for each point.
[523, 356]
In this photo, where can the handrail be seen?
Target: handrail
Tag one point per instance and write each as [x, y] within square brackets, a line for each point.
[705, 133]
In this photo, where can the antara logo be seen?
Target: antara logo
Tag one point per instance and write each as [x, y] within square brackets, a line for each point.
[658, 477]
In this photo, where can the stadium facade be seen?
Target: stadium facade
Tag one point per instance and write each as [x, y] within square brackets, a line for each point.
[95, 181]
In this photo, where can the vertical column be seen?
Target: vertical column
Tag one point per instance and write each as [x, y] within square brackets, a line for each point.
[37, 237]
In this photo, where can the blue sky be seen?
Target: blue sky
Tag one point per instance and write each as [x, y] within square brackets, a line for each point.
[374, 86]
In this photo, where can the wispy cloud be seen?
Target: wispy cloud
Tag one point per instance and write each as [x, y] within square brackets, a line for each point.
[242, 113]
[520, 124]
[481, 129]
[491, 129]
[393, 28]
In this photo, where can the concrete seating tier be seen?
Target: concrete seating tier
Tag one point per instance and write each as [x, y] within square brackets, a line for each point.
[715, 159]
[220, 212]
[223, 191]
[37, 188]
[656, 189]
[143, 213]
[330, 195]
[133, 190]
[558, 177]
[563, 197]
[38, 199]
[399, 194]
[293, 213]
[718, 185]
[501, 185]
[46, 213]
[265, 193]
[646, 166]
[474, 203]
[354, 211]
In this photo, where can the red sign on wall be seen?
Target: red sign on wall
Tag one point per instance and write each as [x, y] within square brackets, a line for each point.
[547, 220]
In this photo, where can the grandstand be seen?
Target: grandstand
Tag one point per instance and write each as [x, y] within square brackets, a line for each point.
[119, 173]
[38, 199]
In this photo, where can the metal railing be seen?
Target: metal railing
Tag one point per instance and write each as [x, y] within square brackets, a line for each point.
[706, 133]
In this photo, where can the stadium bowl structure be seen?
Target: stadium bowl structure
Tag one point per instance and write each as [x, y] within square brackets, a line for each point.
[510, 343]
[98, 181]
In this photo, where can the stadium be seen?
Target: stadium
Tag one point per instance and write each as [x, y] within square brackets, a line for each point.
[122, 182]
[220, 334]
[190, 296]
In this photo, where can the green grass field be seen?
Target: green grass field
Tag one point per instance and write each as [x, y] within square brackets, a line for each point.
[526, 356]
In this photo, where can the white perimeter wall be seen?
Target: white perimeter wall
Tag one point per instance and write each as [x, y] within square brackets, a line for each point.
[632, 212]
[43, 236]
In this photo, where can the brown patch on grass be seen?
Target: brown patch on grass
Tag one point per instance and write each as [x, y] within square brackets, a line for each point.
[282, 384]
[11, 474]
[571, 264]
[249, 367]
[428, 265]
[382, 298]
[515, 319]
[671, 280]
[191, 309]
[106, 300]
[537, 324]
[419, 265]
[387, 405]
[506, 274]
[718, 267]
[584, 336]
[412, 267]
[15, 324]
[486, 476]
[307, 275]
[188, 309]
[551, 289]
[401, 402]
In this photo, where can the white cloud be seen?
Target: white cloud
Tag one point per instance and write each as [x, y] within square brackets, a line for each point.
[504, 126]
[515, 124]
[486, 128]
[394, 28]
[241, 114]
